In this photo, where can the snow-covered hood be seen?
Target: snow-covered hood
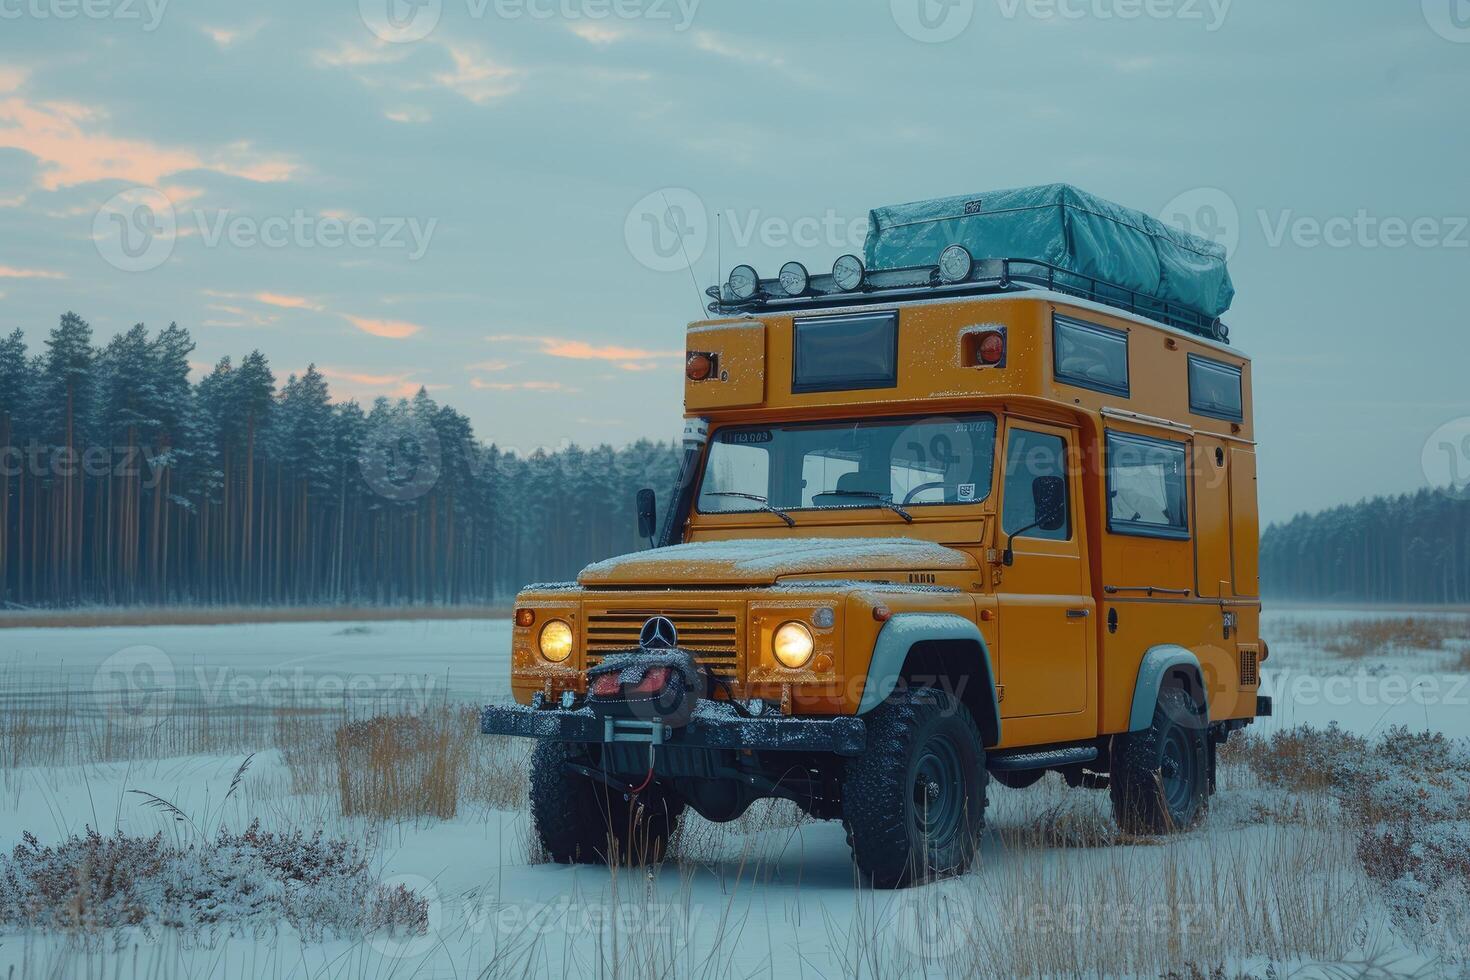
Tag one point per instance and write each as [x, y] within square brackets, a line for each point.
[764, 561]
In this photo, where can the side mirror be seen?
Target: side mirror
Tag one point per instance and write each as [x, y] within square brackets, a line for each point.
[1049, 504]
[1049, 494]
[647, 513]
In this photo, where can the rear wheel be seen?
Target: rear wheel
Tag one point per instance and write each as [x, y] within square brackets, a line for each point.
[579, 820]
[1160, 778]
[914, 802]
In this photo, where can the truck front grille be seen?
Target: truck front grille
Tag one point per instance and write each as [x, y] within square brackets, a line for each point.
[712, 635]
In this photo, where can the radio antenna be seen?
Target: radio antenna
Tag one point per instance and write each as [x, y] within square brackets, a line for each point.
[698, 296]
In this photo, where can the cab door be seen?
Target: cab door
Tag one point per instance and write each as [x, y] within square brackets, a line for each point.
[1045, 609]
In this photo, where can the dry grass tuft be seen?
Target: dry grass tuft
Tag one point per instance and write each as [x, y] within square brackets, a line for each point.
[401, 765]
[1303, 759]
[232, 884]
[1358, 639]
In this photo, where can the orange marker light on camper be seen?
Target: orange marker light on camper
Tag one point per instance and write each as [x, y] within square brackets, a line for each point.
[698, 366]
[525, 617]
[992, 348]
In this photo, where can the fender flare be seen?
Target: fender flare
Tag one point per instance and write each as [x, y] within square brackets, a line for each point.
[1156, 664]
[898, 637]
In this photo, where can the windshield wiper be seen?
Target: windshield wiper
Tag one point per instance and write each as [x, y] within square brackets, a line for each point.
[765, 504]
[884, 500]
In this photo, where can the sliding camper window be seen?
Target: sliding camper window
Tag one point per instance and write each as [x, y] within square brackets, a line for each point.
[1215, 389]
[845, 353]
[1089, 355]
[1147, 490]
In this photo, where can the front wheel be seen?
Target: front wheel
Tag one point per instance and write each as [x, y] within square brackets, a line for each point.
[580, 821]
[1161, 775]
[914, 802]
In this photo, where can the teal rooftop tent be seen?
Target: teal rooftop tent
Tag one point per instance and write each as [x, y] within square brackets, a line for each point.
[1061, 226]
[1052, 237]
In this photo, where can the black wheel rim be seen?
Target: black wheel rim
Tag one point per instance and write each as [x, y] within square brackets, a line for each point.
[938, 793]
[1177, 772]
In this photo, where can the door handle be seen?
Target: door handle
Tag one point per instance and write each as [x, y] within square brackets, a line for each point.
[1078, 613]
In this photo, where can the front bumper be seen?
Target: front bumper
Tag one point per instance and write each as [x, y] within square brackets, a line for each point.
[715, 725]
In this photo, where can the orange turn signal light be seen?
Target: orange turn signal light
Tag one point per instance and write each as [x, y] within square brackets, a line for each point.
[699, 366]
[525, 617]
[882, 613]
[992, 348]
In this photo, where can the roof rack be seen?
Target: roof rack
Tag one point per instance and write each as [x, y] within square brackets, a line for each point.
[986, 277]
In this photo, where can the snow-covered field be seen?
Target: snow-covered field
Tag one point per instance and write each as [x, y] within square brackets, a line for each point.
[1272, 877]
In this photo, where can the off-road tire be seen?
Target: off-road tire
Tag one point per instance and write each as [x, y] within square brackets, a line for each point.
[912, 737]
[1160, 776]
[581, 821]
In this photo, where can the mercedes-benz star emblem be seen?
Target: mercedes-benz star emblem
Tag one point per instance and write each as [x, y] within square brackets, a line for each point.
[659, 633]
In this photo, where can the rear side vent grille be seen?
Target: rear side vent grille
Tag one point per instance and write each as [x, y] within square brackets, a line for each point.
[1250, 674]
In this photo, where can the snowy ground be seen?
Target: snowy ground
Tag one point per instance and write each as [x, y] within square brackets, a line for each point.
[1266, 879]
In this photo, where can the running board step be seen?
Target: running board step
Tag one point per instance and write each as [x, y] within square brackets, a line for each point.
[1055, 759]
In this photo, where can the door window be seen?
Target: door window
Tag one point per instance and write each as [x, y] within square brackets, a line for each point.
[1031, 455]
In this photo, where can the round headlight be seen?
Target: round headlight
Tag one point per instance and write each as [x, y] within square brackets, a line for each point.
[847, 272]
[955, 264]
[794, 278]
[556, 641]
[792, 645]
[744, 282]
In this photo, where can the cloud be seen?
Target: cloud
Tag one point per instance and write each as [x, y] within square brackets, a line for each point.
[580, 350]
[483, 385]
[491, 366]
[288, 302]
[477, 77]
[409, 116]
[227, 37]
[11, 272]
[12, 78]
[600, 34]
[352, 385]
[391, 329]
[68, 140]
[352, 55]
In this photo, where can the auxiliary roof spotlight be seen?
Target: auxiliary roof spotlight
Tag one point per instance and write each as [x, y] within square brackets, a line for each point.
[744, 282]
[847, 272]
[956, 263]
[794, 278]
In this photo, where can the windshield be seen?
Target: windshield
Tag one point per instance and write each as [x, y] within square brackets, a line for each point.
[870, 463]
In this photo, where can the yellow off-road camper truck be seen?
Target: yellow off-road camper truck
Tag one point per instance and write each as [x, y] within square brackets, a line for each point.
[936, 524]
